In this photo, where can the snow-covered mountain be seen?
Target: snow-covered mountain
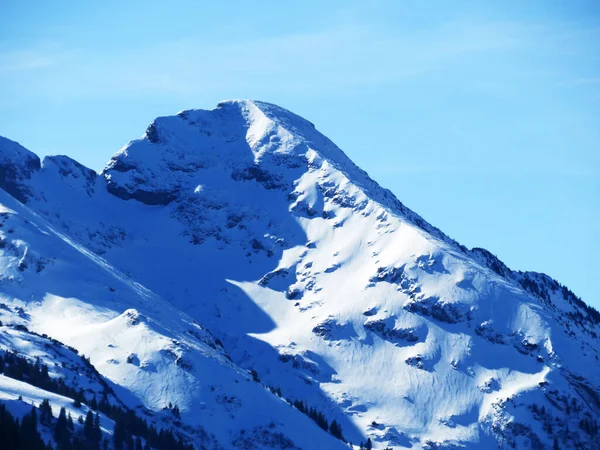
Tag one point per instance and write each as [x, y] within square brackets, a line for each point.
[236, 264]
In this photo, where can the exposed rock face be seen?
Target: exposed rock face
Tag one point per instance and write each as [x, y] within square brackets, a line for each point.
[17, 164]
[236, 257]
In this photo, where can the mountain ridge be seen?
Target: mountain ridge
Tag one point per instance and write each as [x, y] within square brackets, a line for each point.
[489, 259]
[253, 183]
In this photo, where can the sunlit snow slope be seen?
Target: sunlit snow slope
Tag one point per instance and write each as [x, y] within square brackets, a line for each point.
[231, 251]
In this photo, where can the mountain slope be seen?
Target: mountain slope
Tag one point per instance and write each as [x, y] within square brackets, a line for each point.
[152, 354]
[248, 221]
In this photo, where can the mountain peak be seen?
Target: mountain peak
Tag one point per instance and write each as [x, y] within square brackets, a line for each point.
[236, 257]
[238, 136]
[243, 137]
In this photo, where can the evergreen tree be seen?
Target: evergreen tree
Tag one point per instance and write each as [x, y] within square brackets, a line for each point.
[103, 405]
[176, 412]
[119, 434]
[9, 428]
[88, 427]
[129, 430]
[61, 430]
[336, 430]
[29, 422]
[45, 412]
[97, 432]
[78, 443]
[369, 444]
[29, 438]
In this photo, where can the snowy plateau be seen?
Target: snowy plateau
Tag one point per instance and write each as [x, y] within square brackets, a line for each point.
[232, 278]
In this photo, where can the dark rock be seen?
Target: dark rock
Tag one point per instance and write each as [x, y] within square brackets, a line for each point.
[256, 173]
[17, 165]
[380, 328]
[141, 195]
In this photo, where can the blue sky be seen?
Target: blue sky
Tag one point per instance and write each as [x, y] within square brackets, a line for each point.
[484, 117]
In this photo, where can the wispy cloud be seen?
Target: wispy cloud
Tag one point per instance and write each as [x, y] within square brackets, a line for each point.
[24, 60]
[587, 81]
[333, 59]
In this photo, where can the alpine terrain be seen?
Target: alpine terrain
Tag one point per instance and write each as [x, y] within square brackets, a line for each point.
[231, 280]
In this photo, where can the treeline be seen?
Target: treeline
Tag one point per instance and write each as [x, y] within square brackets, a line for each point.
[129, 428]
[24, 434]
[560, 426]
[334, 427]
[131, 431]
[530, 285]
[21, 434]
[66, 437]
[590, 426]
[14, 366]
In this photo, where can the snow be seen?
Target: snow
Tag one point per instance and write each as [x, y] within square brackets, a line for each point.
[20, 396]
[159, 361]
[14, 154]
[245, 226]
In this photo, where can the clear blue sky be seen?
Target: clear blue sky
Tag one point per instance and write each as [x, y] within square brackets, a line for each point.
[484, 117]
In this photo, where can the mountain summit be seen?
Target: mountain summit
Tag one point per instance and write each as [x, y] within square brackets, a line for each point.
[234, 278]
